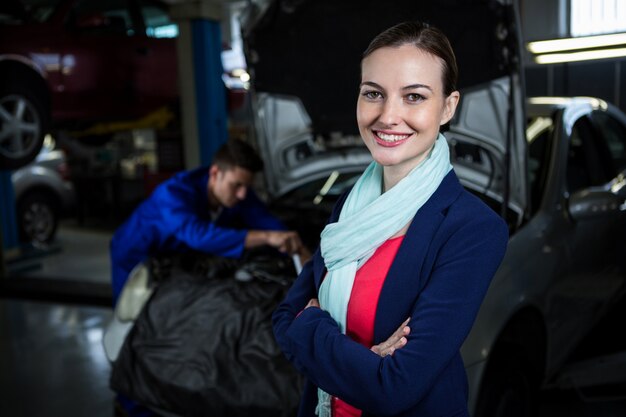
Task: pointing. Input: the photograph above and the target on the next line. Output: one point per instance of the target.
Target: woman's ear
(449, 107)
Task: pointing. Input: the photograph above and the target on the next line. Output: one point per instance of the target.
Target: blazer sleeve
(302, 290)
(441, 318)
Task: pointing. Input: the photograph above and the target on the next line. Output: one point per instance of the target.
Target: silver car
(43, 193)
(564, 267)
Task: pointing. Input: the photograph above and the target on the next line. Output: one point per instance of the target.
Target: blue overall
(176, 218)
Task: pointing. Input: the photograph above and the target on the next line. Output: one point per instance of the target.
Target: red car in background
(67, 63)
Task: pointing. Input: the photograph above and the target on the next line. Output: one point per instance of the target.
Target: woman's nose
(390, 112)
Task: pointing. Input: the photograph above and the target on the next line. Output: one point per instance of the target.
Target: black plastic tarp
(204, 347)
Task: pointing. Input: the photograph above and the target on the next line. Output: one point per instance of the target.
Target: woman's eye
(414, 97)
(372, 95)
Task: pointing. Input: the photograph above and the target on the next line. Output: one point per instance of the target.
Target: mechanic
(211, 210)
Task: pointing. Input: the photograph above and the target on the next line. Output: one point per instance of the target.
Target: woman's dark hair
(237, 153)
(424, 37)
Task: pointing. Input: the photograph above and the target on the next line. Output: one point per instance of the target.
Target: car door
(578, 295)
(611, 136)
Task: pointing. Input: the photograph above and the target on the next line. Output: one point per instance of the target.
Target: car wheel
(23, 125)
(508, 388)
(38, 217)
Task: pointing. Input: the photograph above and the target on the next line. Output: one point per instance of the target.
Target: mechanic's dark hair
(237, 153)
(425, 37)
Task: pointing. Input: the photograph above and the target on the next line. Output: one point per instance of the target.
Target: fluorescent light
(580, 56)
(583, 42)
(595, 103)
(559, 101)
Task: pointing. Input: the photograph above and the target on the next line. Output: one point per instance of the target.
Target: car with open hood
(562, 271)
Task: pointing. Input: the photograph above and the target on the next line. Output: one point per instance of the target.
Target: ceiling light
(580, 56)
(583, 42)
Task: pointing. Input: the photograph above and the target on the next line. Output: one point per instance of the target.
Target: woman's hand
(396, 341)
(312, 303)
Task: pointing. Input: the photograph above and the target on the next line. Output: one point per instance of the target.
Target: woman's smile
(401, 106)
(390, 139)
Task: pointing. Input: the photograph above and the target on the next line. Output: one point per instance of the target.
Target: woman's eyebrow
(371, 84)
(416, 86)
(408, 87)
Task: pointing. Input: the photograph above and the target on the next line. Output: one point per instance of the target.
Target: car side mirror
(590, 203)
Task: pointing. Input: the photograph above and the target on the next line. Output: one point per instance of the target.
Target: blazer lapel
(403, 279)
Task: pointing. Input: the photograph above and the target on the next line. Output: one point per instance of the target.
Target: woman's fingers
(396, 341)
(313, 302)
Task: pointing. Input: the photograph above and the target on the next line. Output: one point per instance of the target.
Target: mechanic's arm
(203, 235)
(441, 319)
(285, 241)
(268, 230)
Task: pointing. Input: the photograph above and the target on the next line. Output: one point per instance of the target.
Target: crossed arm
(389, 346)
(442, 314)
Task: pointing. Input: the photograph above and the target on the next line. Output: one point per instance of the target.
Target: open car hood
(304, 58)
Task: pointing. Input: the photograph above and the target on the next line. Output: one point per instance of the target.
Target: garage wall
(549, 19)
(603, 79)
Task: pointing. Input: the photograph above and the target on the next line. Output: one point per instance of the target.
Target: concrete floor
(51, 357)
(52, 318)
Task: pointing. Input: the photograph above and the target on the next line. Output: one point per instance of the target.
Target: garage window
(592, 17)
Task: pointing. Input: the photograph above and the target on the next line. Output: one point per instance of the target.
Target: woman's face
(401, 105)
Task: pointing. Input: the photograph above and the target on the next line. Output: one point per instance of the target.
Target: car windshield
(20, 11)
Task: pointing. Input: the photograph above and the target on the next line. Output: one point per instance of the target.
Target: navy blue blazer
(439, 277)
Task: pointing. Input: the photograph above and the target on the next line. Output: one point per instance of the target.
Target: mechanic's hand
(305, 254)
(287, 242)
(396, 341)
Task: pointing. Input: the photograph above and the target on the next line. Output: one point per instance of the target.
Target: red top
(368, 283)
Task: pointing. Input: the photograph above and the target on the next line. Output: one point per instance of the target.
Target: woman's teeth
(391, 138)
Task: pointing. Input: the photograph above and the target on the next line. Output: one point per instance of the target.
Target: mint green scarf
(368, 218)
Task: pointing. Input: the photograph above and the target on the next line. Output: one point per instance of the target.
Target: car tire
(38, 217)
(509, 388)
(24, 123)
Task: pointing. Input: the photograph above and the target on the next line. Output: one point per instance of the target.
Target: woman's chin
(386, 157)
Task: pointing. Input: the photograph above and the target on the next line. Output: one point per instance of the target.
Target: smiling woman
(376, 320)
(401, 107)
